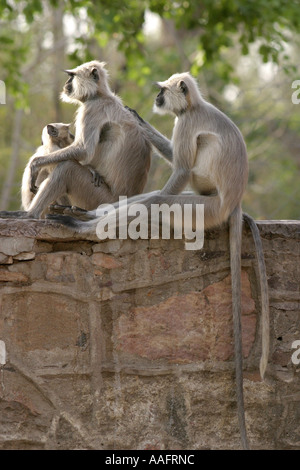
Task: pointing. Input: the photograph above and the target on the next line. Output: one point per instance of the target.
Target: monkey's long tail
(12, 214)
(265, 315)
(235, 237)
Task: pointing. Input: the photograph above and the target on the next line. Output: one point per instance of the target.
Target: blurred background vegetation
(244, 54)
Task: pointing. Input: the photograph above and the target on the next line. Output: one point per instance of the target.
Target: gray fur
(265, 317)
(207, 151)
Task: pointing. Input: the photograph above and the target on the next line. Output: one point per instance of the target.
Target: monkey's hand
(34, 171)
(135, 114)
(97, 179)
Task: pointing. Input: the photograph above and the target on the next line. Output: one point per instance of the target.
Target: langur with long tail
(207, 151)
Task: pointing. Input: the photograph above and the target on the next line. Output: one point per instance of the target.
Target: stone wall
(128, 344)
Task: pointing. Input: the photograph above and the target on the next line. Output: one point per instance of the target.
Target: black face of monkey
(59, 134)
(52, 131)
(160, 99)
(68, 88)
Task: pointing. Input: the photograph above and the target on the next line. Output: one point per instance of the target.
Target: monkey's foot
(73, 211)
(58, 209)
(97, 179)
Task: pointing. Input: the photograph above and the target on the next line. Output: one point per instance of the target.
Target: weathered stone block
(188, 328)
(128, 344)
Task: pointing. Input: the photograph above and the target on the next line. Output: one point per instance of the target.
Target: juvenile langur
(108, 139)
(207, 151)
(54, 137)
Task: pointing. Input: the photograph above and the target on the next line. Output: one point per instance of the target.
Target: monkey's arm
(160, 142)
(73, 152)
(184, 156)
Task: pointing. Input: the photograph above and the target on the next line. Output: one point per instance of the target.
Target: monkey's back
(123, 153)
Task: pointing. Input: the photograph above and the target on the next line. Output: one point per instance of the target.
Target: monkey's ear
(52, 130)
(95, 74)
(183, 87)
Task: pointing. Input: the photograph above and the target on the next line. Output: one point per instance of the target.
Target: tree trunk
(59, 41)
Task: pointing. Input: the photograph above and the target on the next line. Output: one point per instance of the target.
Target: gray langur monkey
(108, 139)
(54, 137)
(207, 151)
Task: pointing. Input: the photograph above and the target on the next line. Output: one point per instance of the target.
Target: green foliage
(215, 24)
(13, 52)
(211, 39)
